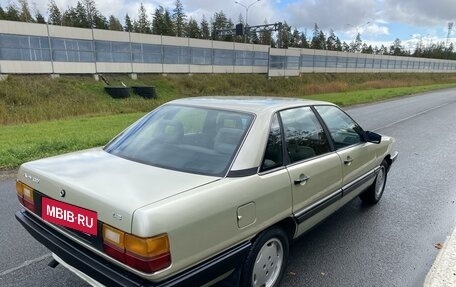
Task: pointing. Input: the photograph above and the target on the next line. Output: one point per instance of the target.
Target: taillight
(25, 195)
(144, 254)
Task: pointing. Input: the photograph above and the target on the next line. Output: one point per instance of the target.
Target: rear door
(314, 170)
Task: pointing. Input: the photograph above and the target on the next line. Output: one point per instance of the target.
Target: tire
(374, 193)
(266, 262)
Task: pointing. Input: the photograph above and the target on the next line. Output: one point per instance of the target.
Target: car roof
(251, 104)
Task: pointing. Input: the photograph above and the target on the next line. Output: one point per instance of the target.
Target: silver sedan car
(202, 190)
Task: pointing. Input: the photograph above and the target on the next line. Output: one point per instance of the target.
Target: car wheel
(374, 193)
(265, 264)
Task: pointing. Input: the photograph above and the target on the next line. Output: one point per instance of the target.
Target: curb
(443, 271)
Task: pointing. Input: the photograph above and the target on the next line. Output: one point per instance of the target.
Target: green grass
(41, 117)
(31, 99)
(369, 96)
(39, 98)
(21, 143)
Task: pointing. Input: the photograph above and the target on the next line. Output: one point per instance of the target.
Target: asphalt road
(390, 244)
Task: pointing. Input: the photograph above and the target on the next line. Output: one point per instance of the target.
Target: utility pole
(450, 28)
(246, 15)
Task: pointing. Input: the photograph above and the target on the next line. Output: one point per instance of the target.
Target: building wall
(28, 48)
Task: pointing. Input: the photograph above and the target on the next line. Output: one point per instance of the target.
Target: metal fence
(40, 48)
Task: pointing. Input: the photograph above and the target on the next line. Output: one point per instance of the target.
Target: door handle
(348, 161)
(302, 179)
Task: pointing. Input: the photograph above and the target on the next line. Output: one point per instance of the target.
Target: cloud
(330, 14)
(420, 12)
(301, 14)
(258, 13)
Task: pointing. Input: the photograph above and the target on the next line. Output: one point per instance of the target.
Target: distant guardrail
(29, 48)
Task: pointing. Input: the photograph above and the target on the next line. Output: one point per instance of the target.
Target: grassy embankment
(41, 117)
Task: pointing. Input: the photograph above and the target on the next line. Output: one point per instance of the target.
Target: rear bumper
(110, 274)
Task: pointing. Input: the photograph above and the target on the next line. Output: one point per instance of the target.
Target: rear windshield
(189, 139)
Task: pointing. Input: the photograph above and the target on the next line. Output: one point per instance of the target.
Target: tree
(397, 49)
(303, 43)
(266, 36)
(94, 17)
(82, 16)
(158, 21)
(192, 29)
(70, 17)
(162, 23)
(331, 42)
(168, 28)
(179, 19)
(295, 39)
(2, 13)
(383, 50)
(55, 16)
(220, 21)
(318, 39)
(284, 36)
(12, 14)
(205, 31)
(450, 52)
(100, 22)
(338, 45)
(142, 25)
(25, 15)
(114, 24)
(91, 12)
(230, 38)
(39, 18)
(345, 47)
(355, 47)
(128, 25)
(367, 49)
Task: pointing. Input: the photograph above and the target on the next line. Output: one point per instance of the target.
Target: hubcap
(380, 183)
(268, 264)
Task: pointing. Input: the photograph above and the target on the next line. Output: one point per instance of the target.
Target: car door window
(304, 136)
(273, 156)
(344, 131)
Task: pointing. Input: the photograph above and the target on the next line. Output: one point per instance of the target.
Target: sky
(377, 21)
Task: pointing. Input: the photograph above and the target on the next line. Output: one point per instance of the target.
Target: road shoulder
(443, 271)
(7, 174)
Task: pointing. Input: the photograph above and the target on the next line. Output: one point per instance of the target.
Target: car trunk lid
(111, 186)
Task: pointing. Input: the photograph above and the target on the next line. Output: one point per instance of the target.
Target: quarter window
(273, 156)
(344, 131)
(304, 136)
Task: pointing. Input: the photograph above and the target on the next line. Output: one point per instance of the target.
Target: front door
(358, 162)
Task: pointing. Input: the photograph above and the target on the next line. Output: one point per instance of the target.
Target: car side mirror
(372, 137)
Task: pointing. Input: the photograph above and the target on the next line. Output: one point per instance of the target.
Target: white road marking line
(410, 117)
(25, 264)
